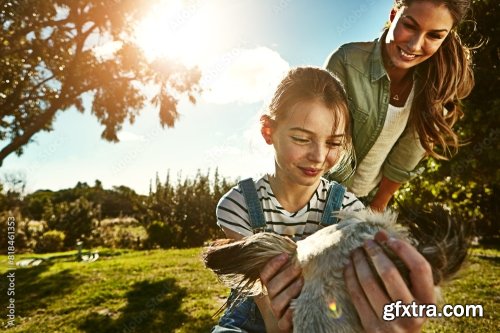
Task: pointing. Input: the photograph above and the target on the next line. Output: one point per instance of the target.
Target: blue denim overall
(245, 316)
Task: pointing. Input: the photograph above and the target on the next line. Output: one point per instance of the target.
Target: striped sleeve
(232, 213)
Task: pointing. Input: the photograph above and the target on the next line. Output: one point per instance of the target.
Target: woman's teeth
(407, 55)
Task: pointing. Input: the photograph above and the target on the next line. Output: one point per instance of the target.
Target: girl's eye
(299, 139)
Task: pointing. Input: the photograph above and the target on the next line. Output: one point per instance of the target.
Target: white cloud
(244, 154)
(243, 75)
(125, 136)
(215, 154)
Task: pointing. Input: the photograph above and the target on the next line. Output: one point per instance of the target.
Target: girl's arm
(276, 277)
(283, 283)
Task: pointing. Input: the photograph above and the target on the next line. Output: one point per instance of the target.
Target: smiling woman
(181, 30)
(409, 96)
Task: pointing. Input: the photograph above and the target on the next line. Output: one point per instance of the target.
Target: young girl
(404, 90)
(308, 126)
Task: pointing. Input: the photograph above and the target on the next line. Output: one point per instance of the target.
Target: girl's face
(307, 142)
(416, 33)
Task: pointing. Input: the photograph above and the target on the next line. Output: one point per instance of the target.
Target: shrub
(160, 234)
(118, 233)
(74, 219)
(51, 241)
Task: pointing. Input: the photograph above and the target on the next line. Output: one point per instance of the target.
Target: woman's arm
(385, 191)
(370, 298)
(402, 163)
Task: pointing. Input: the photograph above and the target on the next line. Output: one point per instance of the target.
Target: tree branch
(23, 139)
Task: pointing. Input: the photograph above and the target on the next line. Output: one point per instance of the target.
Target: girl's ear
(266, 124)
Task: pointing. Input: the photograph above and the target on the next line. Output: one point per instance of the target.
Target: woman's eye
(333, 144)
(435, 36)
(409, 26)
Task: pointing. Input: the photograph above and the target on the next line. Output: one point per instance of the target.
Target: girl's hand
(369, 297)
(283, 283)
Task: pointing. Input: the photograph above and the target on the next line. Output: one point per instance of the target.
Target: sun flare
(182, 30)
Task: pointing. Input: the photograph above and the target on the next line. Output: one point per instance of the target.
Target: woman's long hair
(442, 82)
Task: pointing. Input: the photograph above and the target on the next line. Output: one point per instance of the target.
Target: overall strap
(255, 212)
(334, 200)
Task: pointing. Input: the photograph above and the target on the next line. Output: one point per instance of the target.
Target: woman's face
(307, 142)
(416, 33)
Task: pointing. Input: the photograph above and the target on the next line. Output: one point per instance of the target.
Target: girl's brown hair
(443, 80)
(303, 84)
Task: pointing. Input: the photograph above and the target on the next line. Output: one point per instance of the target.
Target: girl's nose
(317, 153)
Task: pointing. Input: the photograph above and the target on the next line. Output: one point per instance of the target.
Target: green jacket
(359, 66)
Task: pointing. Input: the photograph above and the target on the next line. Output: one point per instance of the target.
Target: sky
(243, 48)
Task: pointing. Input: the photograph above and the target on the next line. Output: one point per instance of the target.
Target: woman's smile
(407, 55)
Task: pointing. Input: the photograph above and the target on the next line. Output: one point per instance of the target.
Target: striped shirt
(232, 211)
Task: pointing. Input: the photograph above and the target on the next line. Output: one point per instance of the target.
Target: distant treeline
(182, 213)
(171, 215)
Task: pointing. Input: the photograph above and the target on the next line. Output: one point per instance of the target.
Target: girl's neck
(292, 197)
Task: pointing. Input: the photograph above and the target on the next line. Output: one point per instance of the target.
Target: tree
(49, 62)
(184, 215)
(75, 219)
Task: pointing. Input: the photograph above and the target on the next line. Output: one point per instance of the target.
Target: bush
(74, 219)
(51, 241)
(118, 233)
(160, 234)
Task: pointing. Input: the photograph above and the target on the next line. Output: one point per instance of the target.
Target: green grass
(170, 291)
(148, 291)
(477, 283)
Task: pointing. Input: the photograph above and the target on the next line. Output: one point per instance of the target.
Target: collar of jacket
(377, 69)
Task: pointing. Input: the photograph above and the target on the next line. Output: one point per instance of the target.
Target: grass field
(170, 291)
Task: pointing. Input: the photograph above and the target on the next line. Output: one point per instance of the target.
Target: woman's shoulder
(352, 53)
(357, 47)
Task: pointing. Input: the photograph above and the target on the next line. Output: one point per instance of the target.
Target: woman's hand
(369, 297)
(283, 282)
